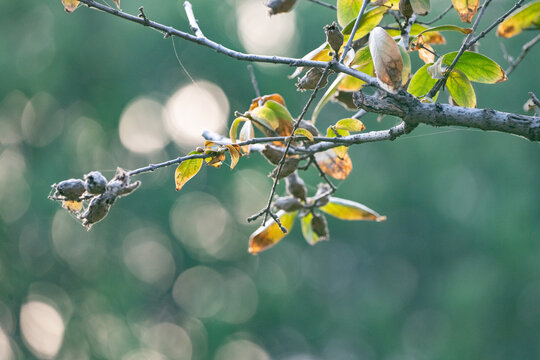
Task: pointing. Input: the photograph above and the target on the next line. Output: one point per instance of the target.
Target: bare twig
(354, 29)
(254, 81)
(193, 24)
(438, 17)
(178, 160)
(322, 174)
(170, 31)
(524, 50)
(318, 2)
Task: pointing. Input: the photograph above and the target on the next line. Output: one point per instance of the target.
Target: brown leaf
(466, 9)
(234, 151)
(72, 206)
(262, 99)
(426, 55)
(332, 165)
(70, 5)
(117, 3)
(289, 166)
(387, 59)
(270, 234)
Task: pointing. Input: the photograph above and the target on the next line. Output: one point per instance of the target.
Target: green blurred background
(453, 273)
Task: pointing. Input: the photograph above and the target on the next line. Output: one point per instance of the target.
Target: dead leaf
(466, 9)
(270, 234)
(426, 54)
(332, 165)
(387, 59)
(70, 5)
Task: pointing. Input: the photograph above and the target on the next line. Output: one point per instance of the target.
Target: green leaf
(466, 9)
(349, 210)
(311, 237)
(421, 82)
(186, 170)
(303, 132)
(234, 128)
(406, 70)
(420, 7)
(447, 28)
(265, 117)
(369, 21)
(341, 151)
(270, 234)
(460, 88)
(362, 57)
(347, 10)
(350, 124)
(281, 111)
(528, 16)
(477, 67)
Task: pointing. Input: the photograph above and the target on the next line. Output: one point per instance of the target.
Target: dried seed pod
(308, 125)
(290, 166)
(320, 226)
(96, 211)
(334, 37)
(71, 189)
(296, 186)
(128, 189)
(405, 8)
(280, 6)
(311, 78)
(323, 189)
(272, 154)
(96, 183)
(288, 203)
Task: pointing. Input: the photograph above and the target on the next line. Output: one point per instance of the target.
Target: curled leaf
(350, 124)
(350, 210)
(246, 133)
(70, 5)
(270, 234)
(466, 9)
(234, 151)
(332, 165)
(387, 59)
(308, 230)
(303, 132)
(234, 128)
(186, 170)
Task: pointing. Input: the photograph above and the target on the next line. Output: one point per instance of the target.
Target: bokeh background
(453, 273)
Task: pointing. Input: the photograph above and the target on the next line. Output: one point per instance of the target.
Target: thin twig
(178, 160)
(318, 2)
(535, 100)
(171, 31)
(354, 29)
(322, 174)
(438, 17)
(193, 24)
(524, 50)
(254, 81)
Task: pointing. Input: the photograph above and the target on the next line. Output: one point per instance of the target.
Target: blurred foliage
(453, 272)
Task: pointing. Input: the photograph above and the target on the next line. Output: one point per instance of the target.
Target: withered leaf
(332, 165)
(466, 9)
(70, 5)
(387, 59)
(270, 234)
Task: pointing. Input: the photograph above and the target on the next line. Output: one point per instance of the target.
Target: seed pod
(405, 8)
(96, 211)
(320, 226)
(308, 125)
(95, 183)
(322, 189)
(128, 189)
(290, 166)
(334, 37)
(288, 203)
(296, 186)
(280, 6)
(272, 154)
(71, 189)
(311, 78)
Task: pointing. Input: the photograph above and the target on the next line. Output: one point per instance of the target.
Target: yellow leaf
(387, 59)
(466, 9)
(349, 210)
(263, 99)
(528, 16)
(70, 5)
(332, 165)
(186, 170)
(216, 160)
(350, 124)
(72, 205)
(235, 155)
(304, 132)
(234, 128)
(270, 234)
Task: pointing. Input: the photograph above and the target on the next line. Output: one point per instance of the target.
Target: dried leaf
(216, 160)
(246, 133)
(117, 3)
(186, 170)
(350, 124)
(270, 234)
(288, 204)
(387, 59)
(307, 230)
(296, 186)
(304, 132)
(332, 165)
(426, 53)
(289, 166)
(461, 90)
(477, 67)
(263, 99)
(234, 128)
(234, 151)
(72, 205)
(70, 5)
(466, 9)
(350, 210)
(528, 16)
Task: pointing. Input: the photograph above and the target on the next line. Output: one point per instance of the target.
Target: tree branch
(318, 2)
(524, 50)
